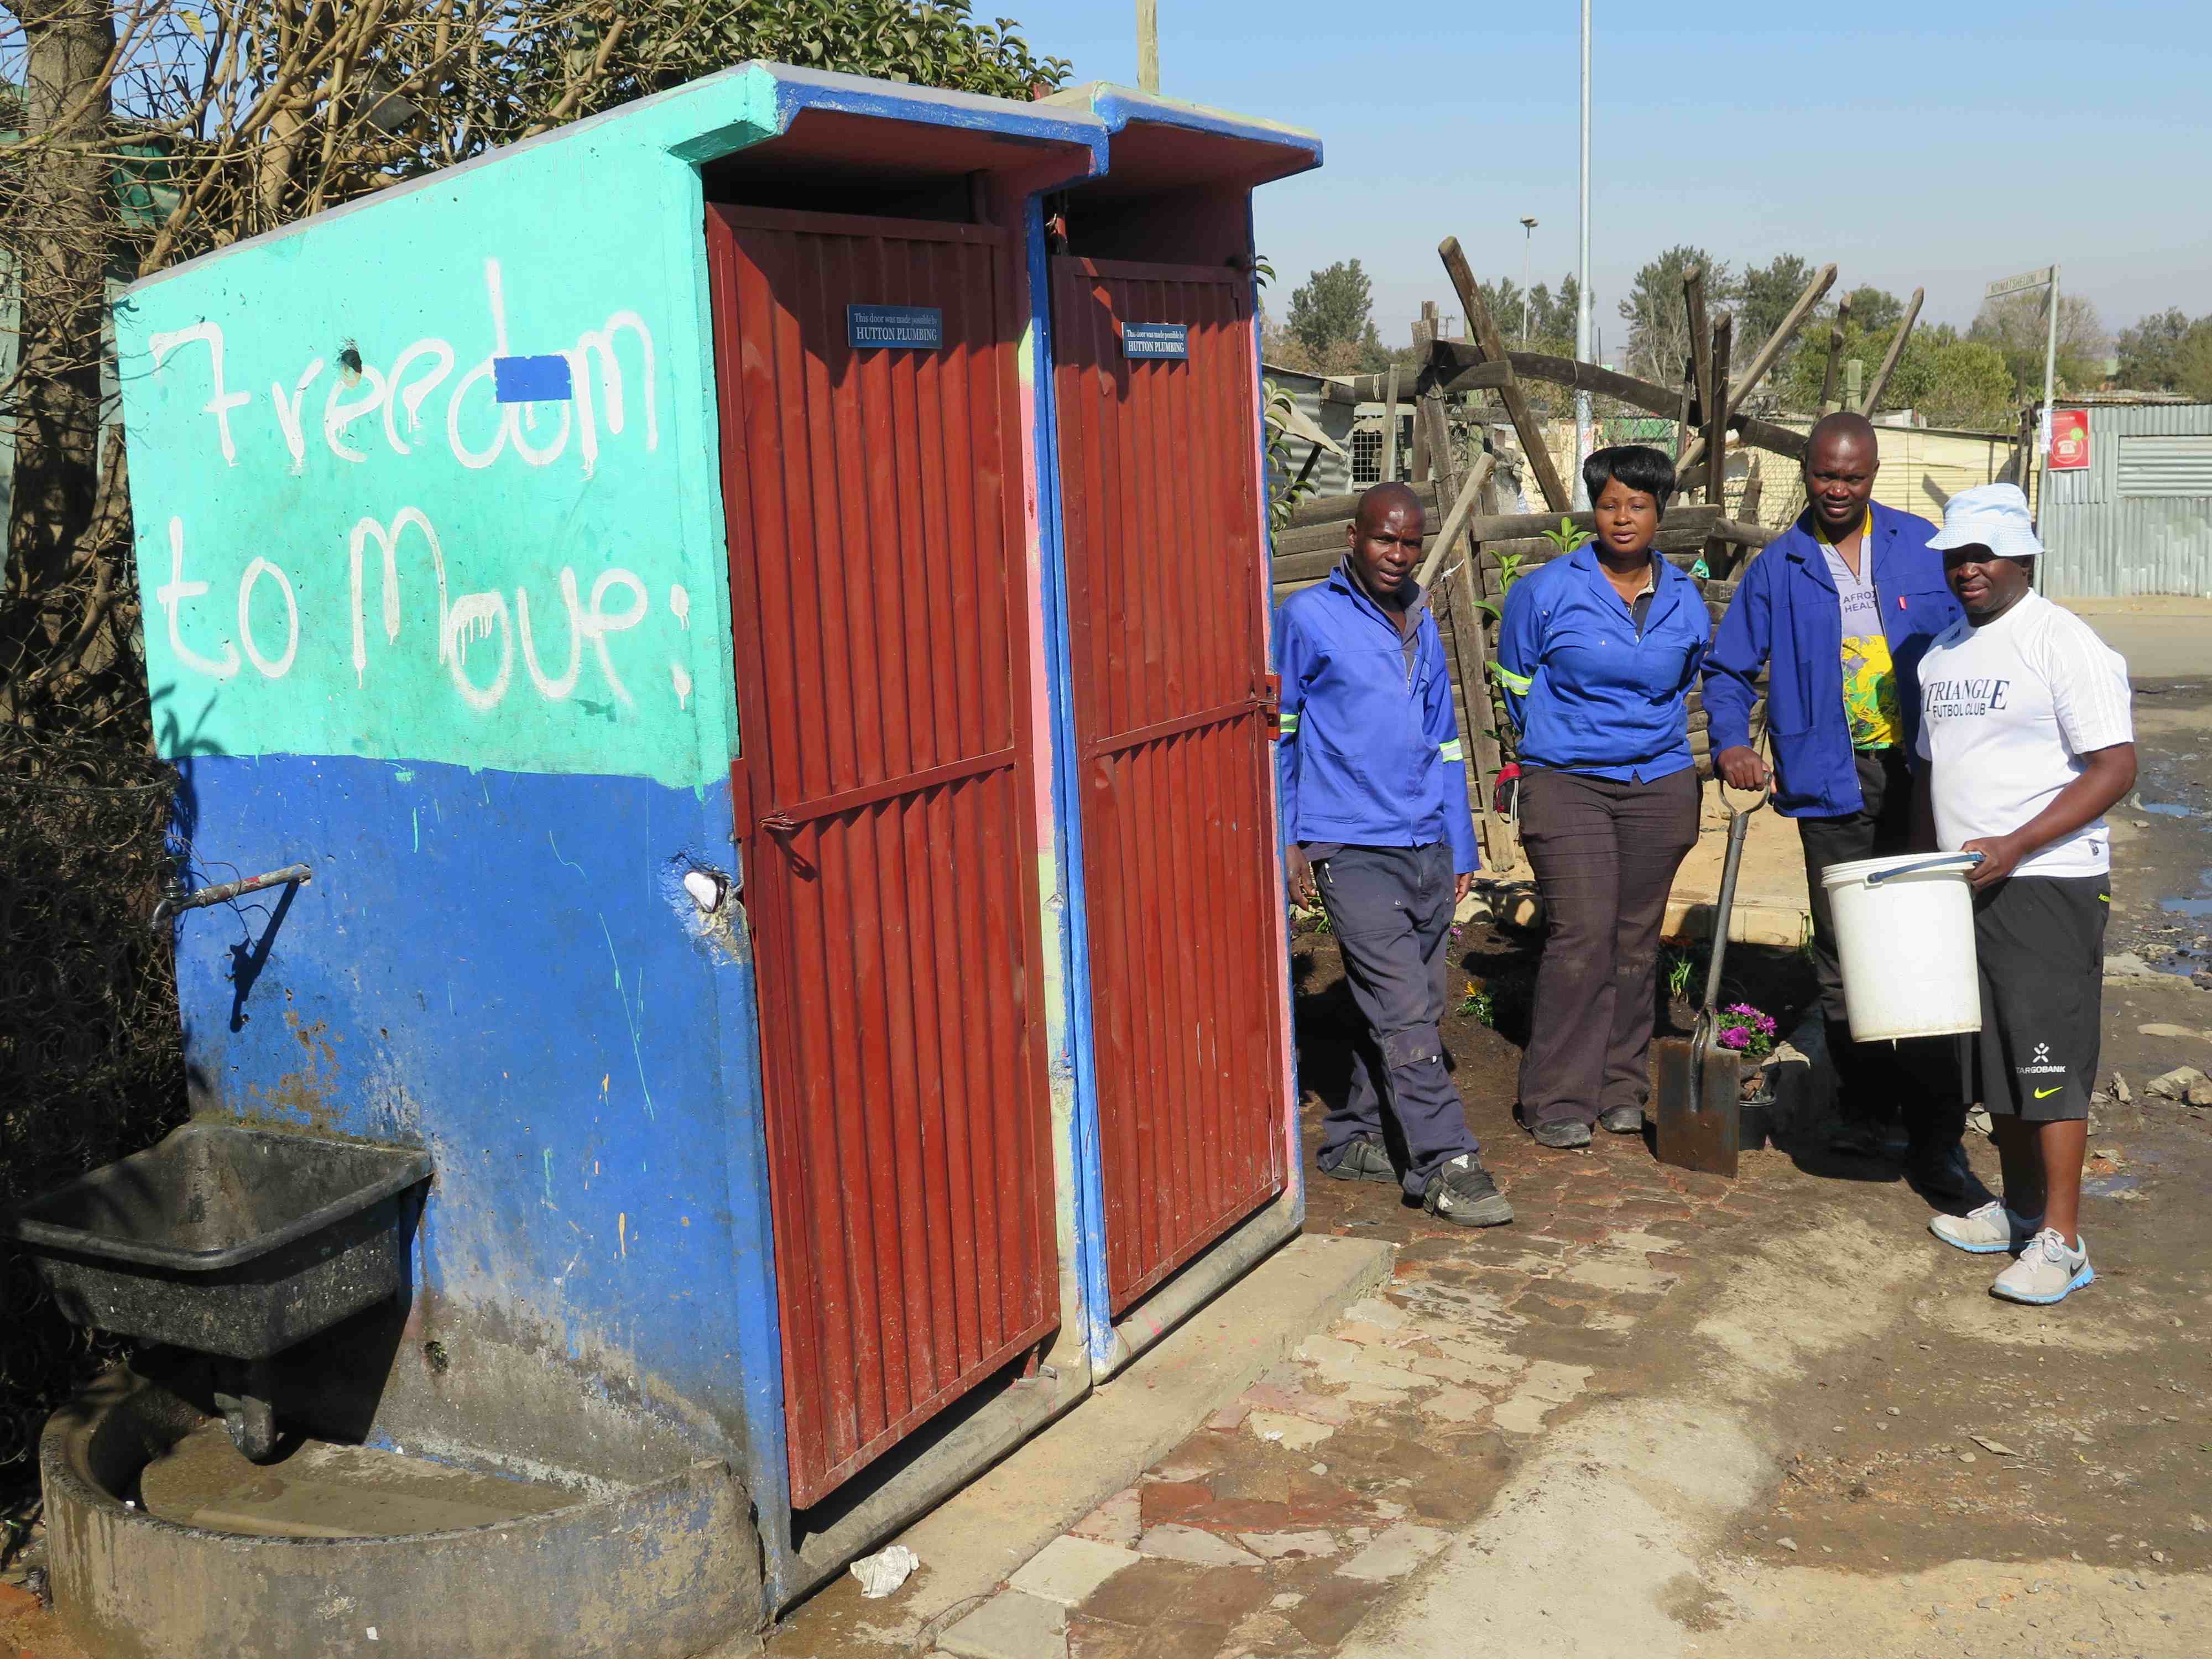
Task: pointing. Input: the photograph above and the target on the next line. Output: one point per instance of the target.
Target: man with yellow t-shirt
(1839, 610)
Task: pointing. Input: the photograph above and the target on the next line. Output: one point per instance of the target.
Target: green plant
(1681, 968)
(1567, 538)
(1478, 1004)
(1276, 412)
(1509, 571)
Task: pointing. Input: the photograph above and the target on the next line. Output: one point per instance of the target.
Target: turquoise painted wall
(349, 546)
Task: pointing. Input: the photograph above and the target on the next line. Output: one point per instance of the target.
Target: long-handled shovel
(1700, 1083)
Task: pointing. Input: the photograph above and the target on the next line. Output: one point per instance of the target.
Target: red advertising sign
(2069, 439)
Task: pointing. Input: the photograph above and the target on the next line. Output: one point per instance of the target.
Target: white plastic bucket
(1905, 929)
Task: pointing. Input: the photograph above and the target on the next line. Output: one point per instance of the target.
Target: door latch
(1267, 698)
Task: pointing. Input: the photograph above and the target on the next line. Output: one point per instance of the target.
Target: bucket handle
(1941, 862)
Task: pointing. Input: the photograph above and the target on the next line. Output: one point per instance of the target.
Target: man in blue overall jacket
(1839, 610)
(1374, 813)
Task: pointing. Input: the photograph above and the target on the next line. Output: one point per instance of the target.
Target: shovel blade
(1698, 1126)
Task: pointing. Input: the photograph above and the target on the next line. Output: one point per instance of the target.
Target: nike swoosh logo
(2045, 1094)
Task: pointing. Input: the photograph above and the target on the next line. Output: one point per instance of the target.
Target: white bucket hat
(1994, 516)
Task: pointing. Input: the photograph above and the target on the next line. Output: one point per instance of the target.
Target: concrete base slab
(969, 1544)
(1068, 1568)
(1011, 1625)
(1199, 1548)
(1751, 922)
(1396, 1552)
(1771, 906)
(324, 1490)
(658, 1572)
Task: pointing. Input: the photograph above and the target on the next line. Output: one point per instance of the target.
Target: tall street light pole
(1583, 315)
(1528, 234)
(1148, 46)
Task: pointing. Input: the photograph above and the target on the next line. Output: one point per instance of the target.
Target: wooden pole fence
(1493, 346)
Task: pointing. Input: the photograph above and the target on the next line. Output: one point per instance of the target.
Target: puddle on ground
(2112, 1186)
(2182, 907)
(2168, 808)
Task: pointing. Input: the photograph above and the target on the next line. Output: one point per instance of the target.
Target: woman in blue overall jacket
(1597, 654)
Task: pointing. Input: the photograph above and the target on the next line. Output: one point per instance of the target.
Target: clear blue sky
(1924, 142)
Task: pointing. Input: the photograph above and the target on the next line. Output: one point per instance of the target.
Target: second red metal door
(885, 803)
(1168, 620)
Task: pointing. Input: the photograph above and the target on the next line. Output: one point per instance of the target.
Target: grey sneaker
(1462, 1191)
(2047, 1271)
(1990, 1230)
(1623, 1120)
(1563, 1135)
(1362, 1160)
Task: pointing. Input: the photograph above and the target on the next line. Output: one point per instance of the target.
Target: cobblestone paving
(1296, 1509)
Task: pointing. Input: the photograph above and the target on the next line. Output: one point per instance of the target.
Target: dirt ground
(1666, 1415)
(2090, 1531)
(1486, 1019)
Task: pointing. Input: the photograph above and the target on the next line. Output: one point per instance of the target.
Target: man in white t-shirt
(2026, 726)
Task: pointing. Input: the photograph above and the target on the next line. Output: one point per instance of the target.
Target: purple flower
(1736, 1036)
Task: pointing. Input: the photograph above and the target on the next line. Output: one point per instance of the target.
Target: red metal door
(1167, 602)
(883, 804)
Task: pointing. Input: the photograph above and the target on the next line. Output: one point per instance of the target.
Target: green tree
(1545, 319)
(1658, 322)
(2150, 350)
(1334, 305)
(661, 43)
(2017, 325)
(1946, 380)
(1972, 387)
(1802, 372)
(1552, 316)
(1510, 309)
(2192, 362)
(1876, 309)
(1765, 294)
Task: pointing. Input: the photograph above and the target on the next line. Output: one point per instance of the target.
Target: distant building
(2137, 519)
(1331, 474)
(1922, 467)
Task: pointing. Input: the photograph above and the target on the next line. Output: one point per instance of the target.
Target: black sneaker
(1463, 1191)
(1864, 1140)
(1942, 1174)
(1623, 1120)
(1563, 1135)
(1362, 1160)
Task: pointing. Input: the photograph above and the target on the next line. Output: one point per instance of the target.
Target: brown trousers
(1605, 855)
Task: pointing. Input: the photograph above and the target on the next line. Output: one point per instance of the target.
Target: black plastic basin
(228, 1240)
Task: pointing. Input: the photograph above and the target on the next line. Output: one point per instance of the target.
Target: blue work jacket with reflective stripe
(1787, 617)
(1369, 754)
(1589, 692)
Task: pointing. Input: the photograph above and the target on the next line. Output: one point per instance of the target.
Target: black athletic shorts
(2041, 942)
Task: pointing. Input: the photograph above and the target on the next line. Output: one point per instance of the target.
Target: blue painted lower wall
(507, 970)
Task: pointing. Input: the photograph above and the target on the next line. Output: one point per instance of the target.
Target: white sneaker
(2046, 1272)
(1987, 1231)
